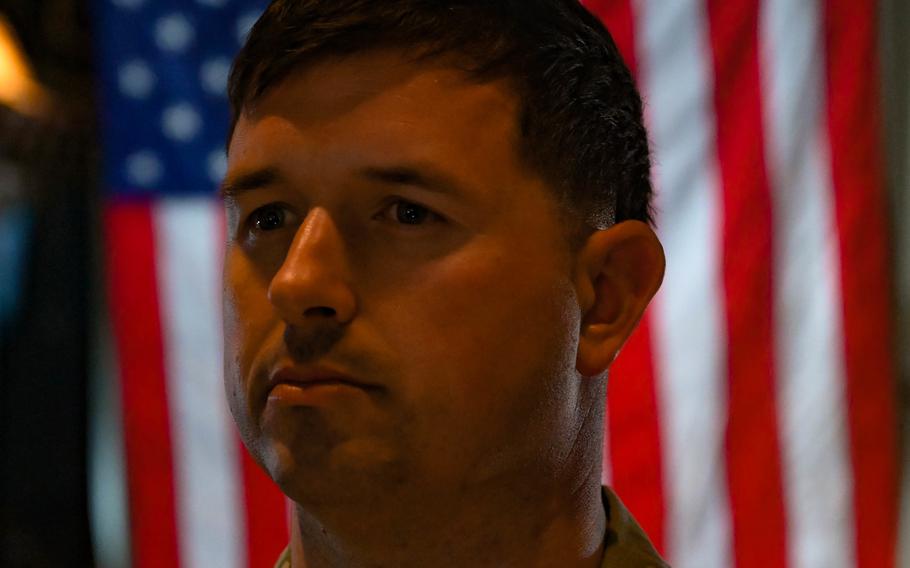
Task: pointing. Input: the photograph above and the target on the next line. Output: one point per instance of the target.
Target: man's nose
(313, 280)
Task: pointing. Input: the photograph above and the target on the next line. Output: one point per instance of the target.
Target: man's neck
(502, 529)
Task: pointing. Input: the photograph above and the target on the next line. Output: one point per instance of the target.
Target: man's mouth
(299, 385)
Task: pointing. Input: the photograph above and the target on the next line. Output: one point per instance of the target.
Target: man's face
(381, 224)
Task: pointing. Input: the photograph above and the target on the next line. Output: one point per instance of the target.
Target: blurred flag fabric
(751, 418)
(195, 497)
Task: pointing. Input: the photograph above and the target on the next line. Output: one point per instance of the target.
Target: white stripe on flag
(690, 338)
(208, 491)
(809, 337)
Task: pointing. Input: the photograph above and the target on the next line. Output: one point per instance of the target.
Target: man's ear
(618, 272)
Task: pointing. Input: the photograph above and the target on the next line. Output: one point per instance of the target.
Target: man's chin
(347, 473)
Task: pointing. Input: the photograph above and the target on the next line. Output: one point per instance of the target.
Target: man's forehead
(388, 80)
(425, 121)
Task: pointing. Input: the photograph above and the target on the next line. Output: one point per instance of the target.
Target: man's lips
(313, 386)
(313, 376)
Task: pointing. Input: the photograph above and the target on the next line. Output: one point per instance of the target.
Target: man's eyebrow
(234, 186)
(416, 176)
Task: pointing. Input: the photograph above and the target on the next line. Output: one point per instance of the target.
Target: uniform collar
(625, 544)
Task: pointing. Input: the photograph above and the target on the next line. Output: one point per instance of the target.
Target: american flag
(751, 419)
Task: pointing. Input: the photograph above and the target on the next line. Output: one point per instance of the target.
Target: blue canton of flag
(164, 66)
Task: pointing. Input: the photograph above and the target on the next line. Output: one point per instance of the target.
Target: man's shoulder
(625, 543)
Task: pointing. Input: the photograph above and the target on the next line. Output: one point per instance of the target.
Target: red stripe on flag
(634, 435)
(134, 312)
(266, 526)
(856, 161)
(752, 441)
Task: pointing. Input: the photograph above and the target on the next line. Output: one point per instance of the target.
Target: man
(438, 241)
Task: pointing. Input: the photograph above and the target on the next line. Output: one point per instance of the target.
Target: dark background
(44, 346)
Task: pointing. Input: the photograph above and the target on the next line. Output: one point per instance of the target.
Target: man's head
(448, 203)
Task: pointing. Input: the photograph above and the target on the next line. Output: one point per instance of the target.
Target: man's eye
(407, 213)
(268, 218)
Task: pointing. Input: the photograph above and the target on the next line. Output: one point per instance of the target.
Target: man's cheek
(248, 315)
(246, 322)
(237, 341)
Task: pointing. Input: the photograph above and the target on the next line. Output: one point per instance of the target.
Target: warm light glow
(18, 88)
